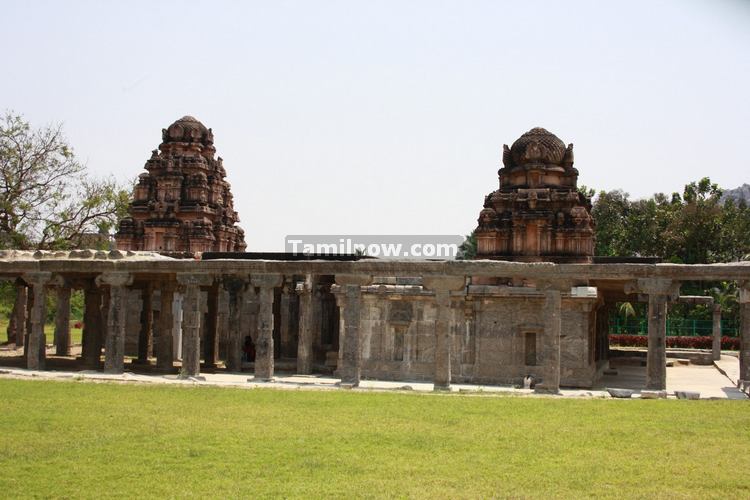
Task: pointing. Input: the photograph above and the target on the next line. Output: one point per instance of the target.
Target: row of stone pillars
(27, 321)
(251, 300)
(19, 326)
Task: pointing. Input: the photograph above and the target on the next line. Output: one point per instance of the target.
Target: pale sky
(346, 117)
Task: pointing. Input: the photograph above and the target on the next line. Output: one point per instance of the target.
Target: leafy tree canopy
(691, 228)
(47, 198)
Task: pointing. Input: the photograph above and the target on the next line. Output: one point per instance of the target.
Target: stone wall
(497, 339)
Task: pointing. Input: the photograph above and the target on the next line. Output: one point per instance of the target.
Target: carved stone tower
(537, 215)
(182, 203)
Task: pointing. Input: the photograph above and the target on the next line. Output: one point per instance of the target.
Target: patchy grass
(68, 439)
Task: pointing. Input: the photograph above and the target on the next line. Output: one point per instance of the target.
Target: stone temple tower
(537, 214)
(182, 203)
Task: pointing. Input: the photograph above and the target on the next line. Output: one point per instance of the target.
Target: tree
(47, 198)
(610, 211)
(695, 230)
(468, 249)
(691, 228)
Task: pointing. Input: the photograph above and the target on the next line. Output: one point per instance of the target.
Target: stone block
(687, 395)
(653, 394)
(620, 393)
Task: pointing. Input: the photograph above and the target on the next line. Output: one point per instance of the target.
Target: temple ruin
(533, 305)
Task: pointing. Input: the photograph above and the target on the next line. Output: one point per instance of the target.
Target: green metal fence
(675, 327)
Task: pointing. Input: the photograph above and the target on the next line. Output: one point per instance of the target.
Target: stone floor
(704, 379)
(708, 380)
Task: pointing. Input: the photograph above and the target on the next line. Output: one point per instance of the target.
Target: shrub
(727, 343)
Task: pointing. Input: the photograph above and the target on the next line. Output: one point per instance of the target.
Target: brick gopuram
(537, 214)
(183, 203)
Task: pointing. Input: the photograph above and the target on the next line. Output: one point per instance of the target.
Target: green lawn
(80, 439)
(49, 331)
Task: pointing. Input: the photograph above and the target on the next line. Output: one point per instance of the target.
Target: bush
(727, 343)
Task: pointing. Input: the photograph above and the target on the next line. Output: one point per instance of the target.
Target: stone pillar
(716, 343)
(443, 286)
(305, 340)
(62, 321)
(177, 325)
(659, 292)
(114, 340)
(191, 322)
(264, 342)
(552, 312)
(745, 331)
(350, 301)
(91, 349)
(146, 332)
(27, 325)
(35, 349)
(285, 334)
(17, 326)
(236, 288)
(104, 313)
(552, 329)
(211, 339)
(163, 342)
(656, 362)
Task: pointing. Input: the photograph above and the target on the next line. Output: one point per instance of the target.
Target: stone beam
(695, 300)
(13, 264)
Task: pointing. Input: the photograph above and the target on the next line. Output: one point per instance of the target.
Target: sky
(389, 117)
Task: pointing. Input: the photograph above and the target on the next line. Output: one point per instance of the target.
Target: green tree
(695, 230)
(468, 249)
(610, 211)
(735, 231)
(47, 198)
(692, 228)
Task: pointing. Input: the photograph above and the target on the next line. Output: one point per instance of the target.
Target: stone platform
(709, 381)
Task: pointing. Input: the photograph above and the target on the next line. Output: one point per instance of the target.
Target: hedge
(727, 343)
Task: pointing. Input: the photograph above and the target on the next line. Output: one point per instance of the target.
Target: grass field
(49, 331)
(81, 439)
